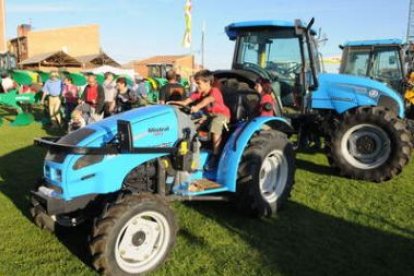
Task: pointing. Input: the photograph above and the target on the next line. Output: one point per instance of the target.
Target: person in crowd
(53, 89)
(80, 117)
(6, 82)
(77, 120)
(267, 102)
(172, 91)
(140, 89)
(70, 95)
(126, 97)
(210, 100)
(109, 87)
(193, 85)
(94, 96)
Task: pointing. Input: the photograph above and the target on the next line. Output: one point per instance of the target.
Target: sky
(138, 29)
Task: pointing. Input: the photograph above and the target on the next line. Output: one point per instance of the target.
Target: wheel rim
(366, 146)
(273, 176)
(142, 242)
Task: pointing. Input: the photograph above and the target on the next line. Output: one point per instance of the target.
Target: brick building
(3, 47)
(29, 44)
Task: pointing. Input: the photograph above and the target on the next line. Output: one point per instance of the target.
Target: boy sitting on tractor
(210, 100)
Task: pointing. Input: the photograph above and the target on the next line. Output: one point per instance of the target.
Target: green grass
(330, 226)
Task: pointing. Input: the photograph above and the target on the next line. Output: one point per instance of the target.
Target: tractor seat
(243, 104)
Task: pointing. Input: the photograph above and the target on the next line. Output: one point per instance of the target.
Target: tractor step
(202, 184)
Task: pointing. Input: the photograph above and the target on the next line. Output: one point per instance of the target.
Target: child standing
(210, 100)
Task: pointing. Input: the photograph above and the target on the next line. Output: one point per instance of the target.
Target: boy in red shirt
(210, 100)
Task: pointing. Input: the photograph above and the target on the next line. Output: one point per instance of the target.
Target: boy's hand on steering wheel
(194, 109)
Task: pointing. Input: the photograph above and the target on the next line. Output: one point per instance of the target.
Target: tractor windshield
(283, 57)
(356, 62)
(380, 63)
(271, 54)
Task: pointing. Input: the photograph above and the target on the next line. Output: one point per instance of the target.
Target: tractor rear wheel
(266, 174)
(369, 143)
(133, 236)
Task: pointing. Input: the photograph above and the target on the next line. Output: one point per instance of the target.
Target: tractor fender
(344, 92)
(237, 143)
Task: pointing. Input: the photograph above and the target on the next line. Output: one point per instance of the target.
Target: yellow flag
(187, 16)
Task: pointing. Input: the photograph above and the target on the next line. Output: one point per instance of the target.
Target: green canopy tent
(78, 79)
(100, 78)
(22, 77)
(43, 76)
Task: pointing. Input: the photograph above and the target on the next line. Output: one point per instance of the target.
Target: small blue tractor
(362, 120)
(121, 173)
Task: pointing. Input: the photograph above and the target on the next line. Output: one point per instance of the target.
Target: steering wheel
(256, 68)
(183, 108)
(291, 69)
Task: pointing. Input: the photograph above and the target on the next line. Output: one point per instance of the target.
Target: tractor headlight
(87, 160)
(47, 171)
(58, 175)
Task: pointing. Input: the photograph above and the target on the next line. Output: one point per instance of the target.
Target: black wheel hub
(366, 145)
(138, 238)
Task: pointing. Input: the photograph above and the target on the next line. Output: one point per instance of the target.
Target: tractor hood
(343, 92)
(159, 125)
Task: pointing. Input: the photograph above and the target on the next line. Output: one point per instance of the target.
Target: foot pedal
(202, 184)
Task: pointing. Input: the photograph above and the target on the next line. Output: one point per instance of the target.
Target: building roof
(161, 59)
(98, 59)
(57, 59)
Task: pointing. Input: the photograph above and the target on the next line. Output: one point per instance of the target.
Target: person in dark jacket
(94, 96)
(126, 97)
(172, 91)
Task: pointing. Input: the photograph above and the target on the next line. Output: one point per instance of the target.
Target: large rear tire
(369, 143)
(266, 174)
(133, 236)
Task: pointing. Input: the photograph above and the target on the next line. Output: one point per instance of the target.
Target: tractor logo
(373, 93)
(156, 131)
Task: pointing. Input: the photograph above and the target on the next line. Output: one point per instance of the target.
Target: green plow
(13, 100)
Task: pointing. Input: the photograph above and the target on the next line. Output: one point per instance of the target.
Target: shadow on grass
(20, 170)
(301, 241)
(315, 168)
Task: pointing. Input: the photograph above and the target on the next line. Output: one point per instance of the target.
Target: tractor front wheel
(370, 143)
(133, 236)
(266, 174)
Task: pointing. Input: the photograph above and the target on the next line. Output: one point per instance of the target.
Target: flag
(187, 16)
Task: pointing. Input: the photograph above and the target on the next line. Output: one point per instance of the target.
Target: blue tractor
(123, 171)
(386, 60)
(362, 120)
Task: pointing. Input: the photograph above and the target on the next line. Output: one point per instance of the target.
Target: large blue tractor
(361, 119)
(385, 60)
(121, 173)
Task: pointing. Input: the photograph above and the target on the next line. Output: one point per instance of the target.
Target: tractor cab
(158, 70)
(282, 52)
(385, 60)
